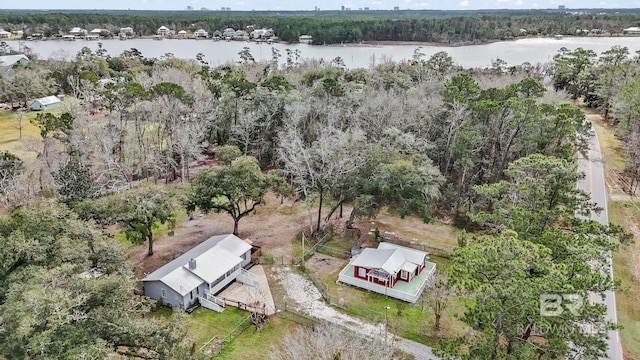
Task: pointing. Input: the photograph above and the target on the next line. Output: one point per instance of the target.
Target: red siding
(355, 272)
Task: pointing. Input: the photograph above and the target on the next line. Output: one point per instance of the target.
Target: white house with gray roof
(200, 273)
(46, 103)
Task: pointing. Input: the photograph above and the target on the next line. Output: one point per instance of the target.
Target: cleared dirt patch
(273, 227)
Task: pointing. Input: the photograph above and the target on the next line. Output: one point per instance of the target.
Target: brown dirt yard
(275, 227)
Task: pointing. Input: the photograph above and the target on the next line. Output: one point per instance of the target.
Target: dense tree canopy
(331, 27)
(66, 292)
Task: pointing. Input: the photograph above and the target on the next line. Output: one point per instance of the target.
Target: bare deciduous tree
(438, 297)
(329, 342)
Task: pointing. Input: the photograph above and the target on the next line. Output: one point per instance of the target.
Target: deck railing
(247, 278)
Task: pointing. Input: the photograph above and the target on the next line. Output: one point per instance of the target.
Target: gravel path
(308, 300)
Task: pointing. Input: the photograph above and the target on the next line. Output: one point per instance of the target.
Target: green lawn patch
(10, 135)
(158, 229)
(255, 344)
(625, 263)
(414, 322)
(204, 324)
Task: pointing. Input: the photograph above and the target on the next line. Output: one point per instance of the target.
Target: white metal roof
(409, 267)
(389, 260)
(412, 255)
(213, 264)
(182, 280)
(10, 60)
(234, 245)
(214, 257)
(48, 100)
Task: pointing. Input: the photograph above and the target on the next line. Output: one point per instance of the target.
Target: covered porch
(407, 291)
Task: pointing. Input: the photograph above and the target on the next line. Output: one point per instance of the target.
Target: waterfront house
(200, 273)
(127, 31)
(201, 33)
(11, 60)
(393, 270)
(182, 34)
(4, 34)
(78, 32)
(240, 35)
(46, 103)
(305, 39)
(228, 33)
(163, 31)
(216, 35)
(634, 30)
(100, 32)
(261, 34)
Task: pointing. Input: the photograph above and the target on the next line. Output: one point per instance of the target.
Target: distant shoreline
(369, 43)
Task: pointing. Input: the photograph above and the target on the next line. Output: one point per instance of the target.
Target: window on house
(163, 293)
(198, 290)
(218, 281)
(362, 272)
(191, 294)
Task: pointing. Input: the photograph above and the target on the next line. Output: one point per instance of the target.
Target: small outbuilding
(11, 60)
(393, 270)
(46, 103)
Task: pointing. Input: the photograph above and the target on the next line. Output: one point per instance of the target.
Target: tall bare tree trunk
(320, 210)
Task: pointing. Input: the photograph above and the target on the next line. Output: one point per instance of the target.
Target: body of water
(532, 50)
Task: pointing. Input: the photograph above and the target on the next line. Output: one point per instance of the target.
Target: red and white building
(391, 269)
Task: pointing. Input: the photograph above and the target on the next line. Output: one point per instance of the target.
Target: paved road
(594, 184)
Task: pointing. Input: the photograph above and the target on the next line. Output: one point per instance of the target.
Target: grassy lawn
(625, 260)
(414, 322)
(249, 344)
(626, 270)
(611, 148)
(158, 229)
(10, 135)
(255, 344)
(436, 234)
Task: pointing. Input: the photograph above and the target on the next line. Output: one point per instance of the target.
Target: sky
(322, 5)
